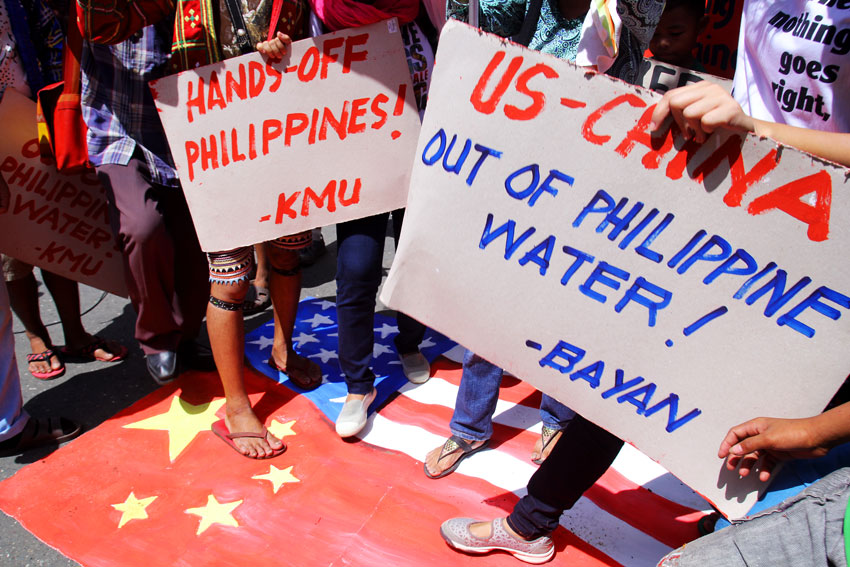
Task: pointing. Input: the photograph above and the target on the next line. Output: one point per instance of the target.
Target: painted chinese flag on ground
(154, 486)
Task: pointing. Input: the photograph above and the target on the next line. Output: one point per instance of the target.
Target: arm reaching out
(776, 440)
(701, 108)
(275, 48)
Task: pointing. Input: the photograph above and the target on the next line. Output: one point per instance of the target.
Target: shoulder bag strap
(240, 30)
(529, 25)
(472, 15)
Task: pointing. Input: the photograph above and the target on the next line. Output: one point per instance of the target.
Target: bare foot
(436, 466)
(544, 444)
(255, 447)
(105, 353)
(261, 281)
(303, 372)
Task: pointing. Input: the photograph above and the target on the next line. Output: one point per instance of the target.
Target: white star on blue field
(315, 337)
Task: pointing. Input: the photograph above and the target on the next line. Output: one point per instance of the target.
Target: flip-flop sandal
(548, 436)
(452, 445)
(257, 300)
(297, 375)
(45, 356)
(220, 429)
(87, 353)
(41, 432)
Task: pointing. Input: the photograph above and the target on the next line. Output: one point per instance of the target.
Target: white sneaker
(352, 418)
(415, 367)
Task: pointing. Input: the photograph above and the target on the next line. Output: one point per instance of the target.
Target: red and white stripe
(633, 515)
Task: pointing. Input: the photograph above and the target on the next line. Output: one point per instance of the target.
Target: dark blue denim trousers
(478, 394)
(359, 270)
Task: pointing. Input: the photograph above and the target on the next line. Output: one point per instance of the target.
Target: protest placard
(56, 221)
(665, 290)
(267, 149)
(661, 77)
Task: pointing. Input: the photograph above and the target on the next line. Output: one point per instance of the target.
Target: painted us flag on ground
(154, 486)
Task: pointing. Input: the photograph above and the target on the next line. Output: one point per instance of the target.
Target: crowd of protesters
(173, 285)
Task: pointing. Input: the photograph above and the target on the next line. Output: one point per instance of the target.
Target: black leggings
(582, 455)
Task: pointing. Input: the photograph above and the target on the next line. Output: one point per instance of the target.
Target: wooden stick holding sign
(665, 290)
(56, 221)
(268, 149)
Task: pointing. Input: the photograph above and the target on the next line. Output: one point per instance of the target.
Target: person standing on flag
(244, 26)
(360, 247)
(610, 36)
(164, 267)
(812, 527)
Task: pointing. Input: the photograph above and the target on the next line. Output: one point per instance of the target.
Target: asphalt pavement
(92, 392)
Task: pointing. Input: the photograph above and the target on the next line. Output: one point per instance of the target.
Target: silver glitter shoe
(456, 533)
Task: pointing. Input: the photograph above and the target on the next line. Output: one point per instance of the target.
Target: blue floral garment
(560, 36)
(555, 34)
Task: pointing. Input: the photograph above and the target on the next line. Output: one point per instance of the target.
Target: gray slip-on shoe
(456, 533)
(415, 367)
(352, 418)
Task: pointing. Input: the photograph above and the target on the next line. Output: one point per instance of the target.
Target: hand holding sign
(276, 47)
(772, 440)
(704, 108)
(644, 276)
(325, 134)
(700, 109)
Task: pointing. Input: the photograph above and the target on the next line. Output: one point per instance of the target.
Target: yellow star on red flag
(133, 509)
(278, 477)
(215, 513)
(183, 421)
(281, 430)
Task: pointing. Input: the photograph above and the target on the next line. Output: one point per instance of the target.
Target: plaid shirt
(45, 26)
(117, 104)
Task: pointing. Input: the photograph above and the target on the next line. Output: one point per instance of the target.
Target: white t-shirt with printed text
(793, 65)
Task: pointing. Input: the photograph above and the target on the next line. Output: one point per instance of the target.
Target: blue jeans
(477, 396)
(359, 268)
(12, 416)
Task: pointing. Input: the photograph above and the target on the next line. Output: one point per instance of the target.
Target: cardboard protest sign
(268, 149)
(57, 221)
(661, 77)
(663, 289)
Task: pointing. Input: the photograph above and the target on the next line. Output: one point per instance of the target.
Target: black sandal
(41, 432)
(452, 445)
